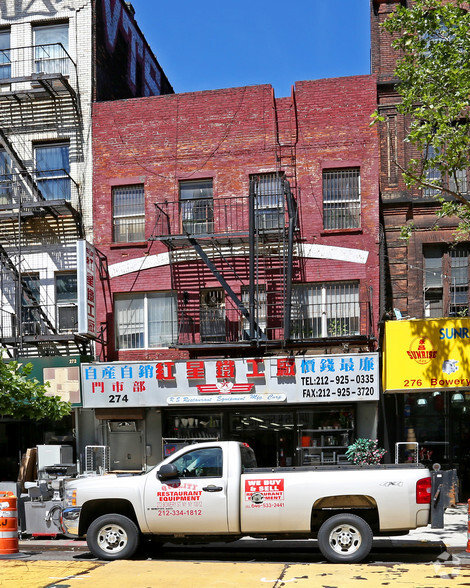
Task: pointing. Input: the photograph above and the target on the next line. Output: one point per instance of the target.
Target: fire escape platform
(37, 86)
(223, 239)
(57, 209)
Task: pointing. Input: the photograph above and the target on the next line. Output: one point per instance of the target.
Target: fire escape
(246, 243)
(37, 93)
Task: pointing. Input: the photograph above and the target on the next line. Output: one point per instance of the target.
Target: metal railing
(218, 216)
(34, 61)
(52, 184)
(330, 319)
(31, 322)
(308, 322)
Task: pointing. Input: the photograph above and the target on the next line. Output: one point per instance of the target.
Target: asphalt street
(422, 559)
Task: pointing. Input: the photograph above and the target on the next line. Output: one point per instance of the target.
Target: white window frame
(261, 310)
(325, 309)
(128, 218)
(197, 206)
(269, 201)
(68, 304)
(51, 57)
(341, 198)
(134, 321)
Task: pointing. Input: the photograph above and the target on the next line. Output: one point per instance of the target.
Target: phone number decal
(180, 513)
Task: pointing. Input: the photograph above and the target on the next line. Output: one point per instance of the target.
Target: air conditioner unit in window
(67, 318)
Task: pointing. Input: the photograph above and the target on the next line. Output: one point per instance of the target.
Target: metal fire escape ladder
(287, 136)
(29, 103)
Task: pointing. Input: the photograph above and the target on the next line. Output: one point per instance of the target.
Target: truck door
(196, 501)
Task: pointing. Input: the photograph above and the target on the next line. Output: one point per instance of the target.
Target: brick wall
(228, 135)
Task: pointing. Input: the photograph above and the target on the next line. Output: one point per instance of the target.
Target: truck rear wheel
(345, 538)
(113, 536)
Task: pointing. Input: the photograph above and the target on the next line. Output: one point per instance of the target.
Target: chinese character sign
(86, 290)
(302, 379)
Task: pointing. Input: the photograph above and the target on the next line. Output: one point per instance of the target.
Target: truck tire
(345, 538)
(112, 536)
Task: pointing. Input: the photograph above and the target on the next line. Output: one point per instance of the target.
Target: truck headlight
(70, 497)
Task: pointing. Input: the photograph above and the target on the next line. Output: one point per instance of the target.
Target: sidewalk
(453, 536)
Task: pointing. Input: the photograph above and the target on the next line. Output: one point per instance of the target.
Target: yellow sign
(426, 354)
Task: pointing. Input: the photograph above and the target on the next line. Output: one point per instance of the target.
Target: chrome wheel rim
(112, 538)
(345, 539)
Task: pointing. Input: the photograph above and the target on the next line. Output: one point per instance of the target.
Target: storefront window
(279, 438)
(270, 434)
(425, 423)
(324, 435)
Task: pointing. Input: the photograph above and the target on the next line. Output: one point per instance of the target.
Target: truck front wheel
(345, 538)
(112, 537)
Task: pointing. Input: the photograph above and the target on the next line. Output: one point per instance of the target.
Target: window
(200, 463)
(268, 201)
(128, 214)
(445, 280)
(456, 183)
(260, 311)
(433, 303)
(53, 170)
(459, 281)
(212, 315)
(145, 320)
(51, 45)
(6, 195)
(330, 309)
(66, 299)
(5, 58)
(197, 207)
(30, 299)
(341, 199)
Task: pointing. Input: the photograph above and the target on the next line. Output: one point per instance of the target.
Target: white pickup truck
(214, 492)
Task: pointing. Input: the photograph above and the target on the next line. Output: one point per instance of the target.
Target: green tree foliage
(22, 396)
(433, 37)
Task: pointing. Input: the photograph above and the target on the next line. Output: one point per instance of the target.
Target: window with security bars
(268, 201)
(459, 281)
(341, 199)
(329, 309)
(197, 207)
(128, 214)
(146, 320)
(446, 278)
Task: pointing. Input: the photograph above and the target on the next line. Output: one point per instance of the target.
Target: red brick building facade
(228, 143)
(240, 231)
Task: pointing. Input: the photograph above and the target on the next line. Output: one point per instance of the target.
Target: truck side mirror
(167, 471)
